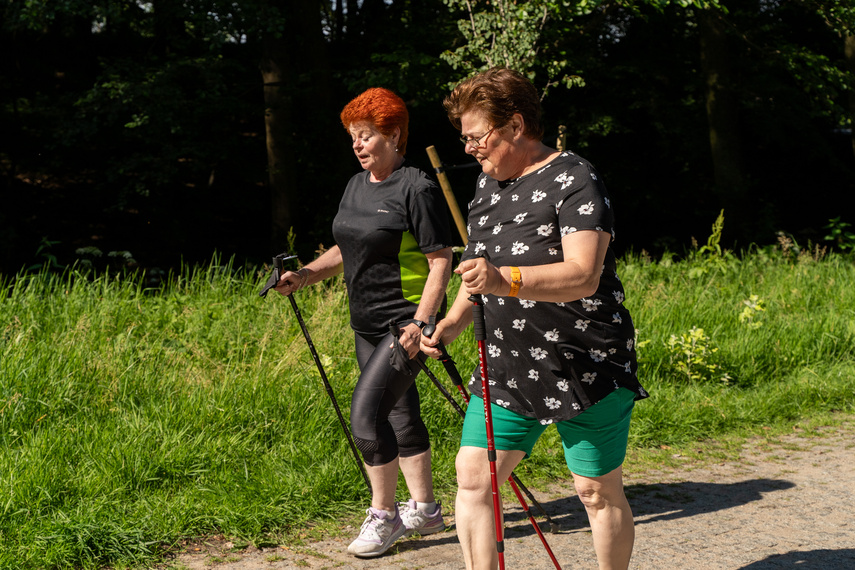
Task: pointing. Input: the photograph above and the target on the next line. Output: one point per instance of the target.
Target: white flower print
(519, 324)
(512, 383)
(494, 350)
(515, 197)
(494, 198)
(561, 304)
(479, 247)
(544, 168)
(537, 353)
(582, 324)
(498, 248)
(514, 353)
(551, 336)
(497, 228)
(526, 304)
(563, 385)
(519, 248)
(498, 334)
(616, 318)
(586, 209)
(593, 174)
(503, 403)
(545, 422)
(564, 179)
(558, 206)
(482, 182)
(589, 377)
(567, 230)
(520, 217)
(599, 228)
(590, 304)
(643, 392)
(468, 229)
(619, 297)
(627, 367)
(576, 406)
(545, 229)
(552, 403)
(612, 350)
(534, 375)
(500, 300)
(597, 355)
(630, 343)
(568, 355)
(483, 220)
(538, 195)
(605, 199)
(553, 251)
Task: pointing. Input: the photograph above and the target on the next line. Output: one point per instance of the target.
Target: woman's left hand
(481, 277)
(410, 338)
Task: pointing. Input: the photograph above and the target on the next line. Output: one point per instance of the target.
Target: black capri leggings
(384, 414)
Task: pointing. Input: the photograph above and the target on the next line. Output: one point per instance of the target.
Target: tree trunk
(294, 70)
(722, 117)
(849, 50)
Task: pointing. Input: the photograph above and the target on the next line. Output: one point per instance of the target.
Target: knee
(597, 496)
(472, 476)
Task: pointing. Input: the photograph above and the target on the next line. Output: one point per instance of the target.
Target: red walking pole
(481, 336)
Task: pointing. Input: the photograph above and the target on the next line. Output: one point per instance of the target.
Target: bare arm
(325, 266)
(577, 276)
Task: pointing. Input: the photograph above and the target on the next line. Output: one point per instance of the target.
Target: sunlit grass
(131, 417)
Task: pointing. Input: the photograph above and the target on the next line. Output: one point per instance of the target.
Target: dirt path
(786, 505)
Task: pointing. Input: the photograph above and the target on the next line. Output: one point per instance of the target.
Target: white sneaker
(420, 522)
(378, 534)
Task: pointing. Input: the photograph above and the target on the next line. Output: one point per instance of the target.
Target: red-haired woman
(394, 246)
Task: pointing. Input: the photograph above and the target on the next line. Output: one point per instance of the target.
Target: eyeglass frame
(475, 141)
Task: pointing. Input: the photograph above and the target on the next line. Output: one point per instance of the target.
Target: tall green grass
(132, 417)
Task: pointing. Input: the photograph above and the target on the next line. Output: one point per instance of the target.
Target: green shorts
(594, 441)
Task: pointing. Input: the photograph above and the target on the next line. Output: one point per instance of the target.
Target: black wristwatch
(420, 324)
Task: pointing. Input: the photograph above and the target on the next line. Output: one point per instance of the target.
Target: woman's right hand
(289, 282)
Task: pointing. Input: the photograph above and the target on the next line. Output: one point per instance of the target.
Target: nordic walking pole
(481, 337)
(278, 269)
(451, 369)
(329, 389)
(516, 484)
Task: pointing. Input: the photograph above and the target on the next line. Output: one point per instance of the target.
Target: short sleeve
(585, 203)
(429, 219)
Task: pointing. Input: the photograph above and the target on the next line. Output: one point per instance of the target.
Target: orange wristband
(516, 281)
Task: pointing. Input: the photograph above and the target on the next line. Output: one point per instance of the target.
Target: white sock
(428, 508)
(390, 514)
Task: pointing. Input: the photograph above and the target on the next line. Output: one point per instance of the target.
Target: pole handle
(478, 324)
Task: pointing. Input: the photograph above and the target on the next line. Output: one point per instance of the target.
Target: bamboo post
(561, 143)
(449, 195)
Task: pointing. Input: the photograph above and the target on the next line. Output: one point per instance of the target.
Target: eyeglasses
(475, 142)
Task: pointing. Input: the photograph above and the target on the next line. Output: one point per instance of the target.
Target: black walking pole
(277, 271)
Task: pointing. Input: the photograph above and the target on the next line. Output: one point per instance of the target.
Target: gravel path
(789, 504)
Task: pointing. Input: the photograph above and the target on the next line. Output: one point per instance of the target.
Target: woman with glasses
(394, 247)
(560, 342)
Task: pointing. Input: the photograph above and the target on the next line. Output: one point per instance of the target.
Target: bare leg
(610, 517)
(384, 481)
(476, 525)
(417, 474)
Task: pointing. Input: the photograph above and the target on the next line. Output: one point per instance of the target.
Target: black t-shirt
(550, 361)
(384, 230)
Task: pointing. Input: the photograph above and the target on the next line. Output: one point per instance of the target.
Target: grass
(132, 417)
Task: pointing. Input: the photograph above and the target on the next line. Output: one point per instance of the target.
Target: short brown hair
(498, 93)
(383, 109)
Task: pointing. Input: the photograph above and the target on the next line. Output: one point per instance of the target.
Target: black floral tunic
(550, 361)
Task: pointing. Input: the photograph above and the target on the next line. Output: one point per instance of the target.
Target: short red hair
(381, 108)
